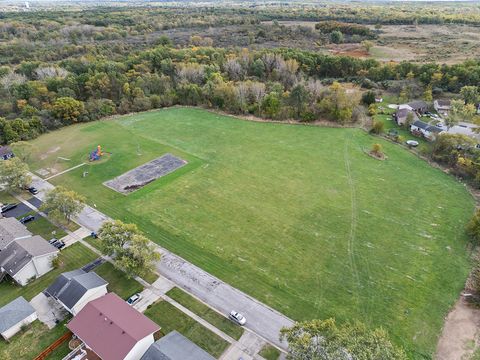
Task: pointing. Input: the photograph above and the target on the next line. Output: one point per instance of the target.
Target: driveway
(20, 210)
(48, 310)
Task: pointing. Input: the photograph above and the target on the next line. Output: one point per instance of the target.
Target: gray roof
(14, 312)
(443, 102)
(11, 229)
(20, 252)
(175, 346)
(70, 287)
(418, 104)
(420, 124)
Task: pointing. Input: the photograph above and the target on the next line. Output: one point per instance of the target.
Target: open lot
(297, 216)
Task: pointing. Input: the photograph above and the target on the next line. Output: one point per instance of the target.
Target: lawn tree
(63, 204)
(324, 340)
(131, 251)
(14, 175)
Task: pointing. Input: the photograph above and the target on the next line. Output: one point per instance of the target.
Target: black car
(59, 244)
(27, 218)
(32, 190)
(8, 207)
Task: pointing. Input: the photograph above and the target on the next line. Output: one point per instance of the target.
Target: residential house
(419, 106)
(112, 329)
(10, 230)
(6, 153)
(429, 132)
(14, 315)
(175, 346)
(402, 114)
(74, 289)
(442, 106)
(26, 259)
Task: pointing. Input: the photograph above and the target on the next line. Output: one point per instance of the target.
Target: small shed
(6, 153)
(14, 315)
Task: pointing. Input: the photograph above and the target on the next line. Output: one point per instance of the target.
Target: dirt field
(448, 44)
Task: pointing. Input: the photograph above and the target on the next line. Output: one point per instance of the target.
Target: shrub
(377, 127)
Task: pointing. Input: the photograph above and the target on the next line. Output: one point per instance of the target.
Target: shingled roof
(14, 312)
(111, 327)
(70, 287)
(10, 230)
(20, 252)
(175, 346)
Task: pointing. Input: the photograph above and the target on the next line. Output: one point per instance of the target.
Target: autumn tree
(325, 340)
(62, 204)
(470, 94)
(14, 174)
(131, 251)
(67, 109)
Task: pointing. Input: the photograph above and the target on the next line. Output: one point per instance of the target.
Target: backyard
(299, 217)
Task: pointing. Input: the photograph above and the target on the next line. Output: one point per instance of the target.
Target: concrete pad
(148, 298)
(250, 343)
(163, 285)
(48, 310)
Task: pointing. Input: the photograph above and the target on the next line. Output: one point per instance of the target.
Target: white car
(133, 299)
(237, 317)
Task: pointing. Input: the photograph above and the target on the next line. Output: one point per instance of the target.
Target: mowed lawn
(297, 216)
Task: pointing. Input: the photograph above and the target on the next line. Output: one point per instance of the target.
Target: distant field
(297, 216)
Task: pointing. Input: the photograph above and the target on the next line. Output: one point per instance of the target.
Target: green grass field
(297, 216)
(118, 281)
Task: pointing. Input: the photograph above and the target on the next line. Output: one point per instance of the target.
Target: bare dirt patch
(459, 332)
(145, 174)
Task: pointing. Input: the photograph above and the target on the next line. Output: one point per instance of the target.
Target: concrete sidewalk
(261, 319)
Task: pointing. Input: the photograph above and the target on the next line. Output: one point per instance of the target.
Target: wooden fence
(43, 355)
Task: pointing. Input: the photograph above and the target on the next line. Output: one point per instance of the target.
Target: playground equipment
(96, 154)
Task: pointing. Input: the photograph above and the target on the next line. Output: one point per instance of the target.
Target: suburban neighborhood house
(10, 230)
(14, 316)
(112, 329)
(442, 106)
(26, 259)
(74, 289)
(175, 346)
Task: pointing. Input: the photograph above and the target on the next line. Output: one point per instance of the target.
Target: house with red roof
(112, 329)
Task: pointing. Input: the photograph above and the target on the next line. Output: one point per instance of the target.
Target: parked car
(32, 190)
(59, 244)
(51, 241)
(237, 317)
(8, 207)
(133, 299)
(27, 219)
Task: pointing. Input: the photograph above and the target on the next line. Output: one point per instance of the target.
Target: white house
(14, 315)
(27, 259)
(74, 289)
(112, 329)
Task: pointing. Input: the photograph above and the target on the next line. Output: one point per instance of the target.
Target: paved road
(261, 319)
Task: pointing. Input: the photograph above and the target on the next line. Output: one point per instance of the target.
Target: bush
(473, 227)
(377, 127)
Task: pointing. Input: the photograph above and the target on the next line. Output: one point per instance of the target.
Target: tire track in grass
(354, 219)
